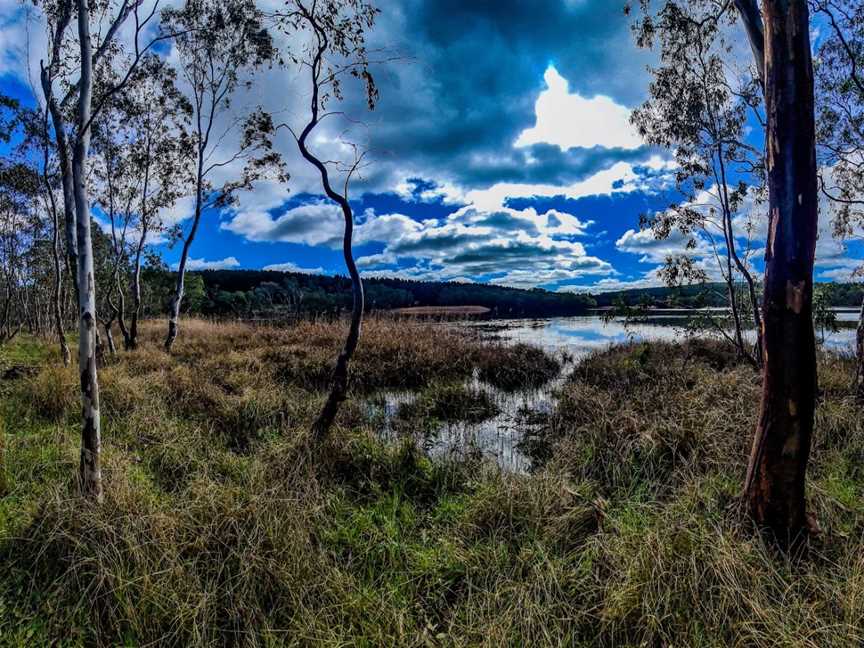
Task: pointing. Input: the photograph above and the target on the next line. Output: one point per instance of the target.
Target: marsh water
(569, 339)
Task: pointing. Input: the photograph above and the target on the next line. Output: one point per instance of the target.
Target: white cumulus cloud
(571, 120)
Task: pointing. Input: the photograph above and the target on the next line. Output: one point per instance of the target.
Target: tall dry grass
(220, 529)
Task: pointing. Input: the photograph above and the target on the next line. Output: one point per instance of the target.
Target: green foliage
(194, 293)
(824, 319)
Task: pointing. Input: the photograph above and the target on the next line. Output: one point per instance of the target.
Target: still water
(579, 336)
(569, 339)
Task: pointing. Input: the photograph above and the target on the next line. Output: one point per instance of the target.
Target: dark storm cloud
(474, 69)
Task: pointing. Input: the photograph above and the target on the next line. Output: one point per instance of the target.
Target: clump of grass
(516, 367)
(365, 467)
(547, 508)
(221, 561)
(393, 354)
(643, 417)
(447, 403)
(52, 393)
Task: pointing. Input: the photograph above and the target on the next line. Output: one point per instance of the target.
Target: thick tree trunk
(774, 488)
(90, 472)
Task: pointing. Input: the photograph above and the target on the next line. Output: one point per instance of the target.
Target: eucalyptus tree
(20, 186)
(840, 126)
(34, 143)
(775, 484)
(65, 57)
(336, 31)
(117, 189)
(218, 44)
(49, 175)
(698, 107)
(163, 156)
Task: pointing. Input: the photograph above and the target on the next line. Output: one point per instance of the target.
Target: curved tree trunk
(748, 10)
(121, 314)
(733, 301)
(90, 472)
(732, 251)
(66, 177)
(109, 336)
(775, 483)
(339, 378)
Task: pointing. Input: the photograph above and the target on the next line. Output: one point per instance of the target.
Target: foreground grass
(219, 529)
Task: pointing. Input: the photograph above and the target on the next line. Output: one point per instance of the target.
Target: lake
(569, 339)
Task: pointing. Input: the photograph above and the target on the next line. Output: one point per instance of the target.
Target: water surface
(569, 339)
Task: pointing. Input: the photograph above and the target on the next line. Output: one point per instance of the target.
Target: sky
(500, 151)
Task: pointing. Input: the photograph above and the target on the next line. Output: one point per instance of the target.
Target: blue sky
(500, 152)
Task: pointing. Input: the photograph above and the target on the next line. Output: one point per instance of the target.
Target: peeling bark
(775, 483)
(748, 10)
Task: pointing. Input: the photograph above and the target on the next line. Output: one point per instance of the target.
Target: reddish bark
(774, 489)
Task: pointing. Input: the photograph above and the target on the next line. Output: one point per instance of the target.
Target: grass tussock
(516, 367)
(447, 403)
(220, 529)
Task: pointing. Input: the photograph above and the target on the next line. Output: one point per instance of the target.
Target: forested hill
(265, 293)
(239, 291)
(835, 294)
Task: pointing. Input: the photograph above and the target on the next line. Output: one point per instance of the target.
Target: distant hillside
(263, 293)
(838, 294)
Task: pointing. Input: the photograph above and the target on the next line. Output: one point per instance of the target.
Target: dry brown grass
(220, 529)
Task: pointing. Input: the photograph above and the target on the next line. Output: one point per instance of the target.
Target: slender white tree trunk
(136, 293)
(90, 473)
(177, 299)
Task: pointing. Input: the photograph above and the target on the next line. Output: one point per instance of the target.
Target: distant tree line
(713, 295)
(272, 294)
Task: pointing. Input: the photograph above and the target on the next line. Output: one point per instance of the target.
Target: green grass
(220, 529)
